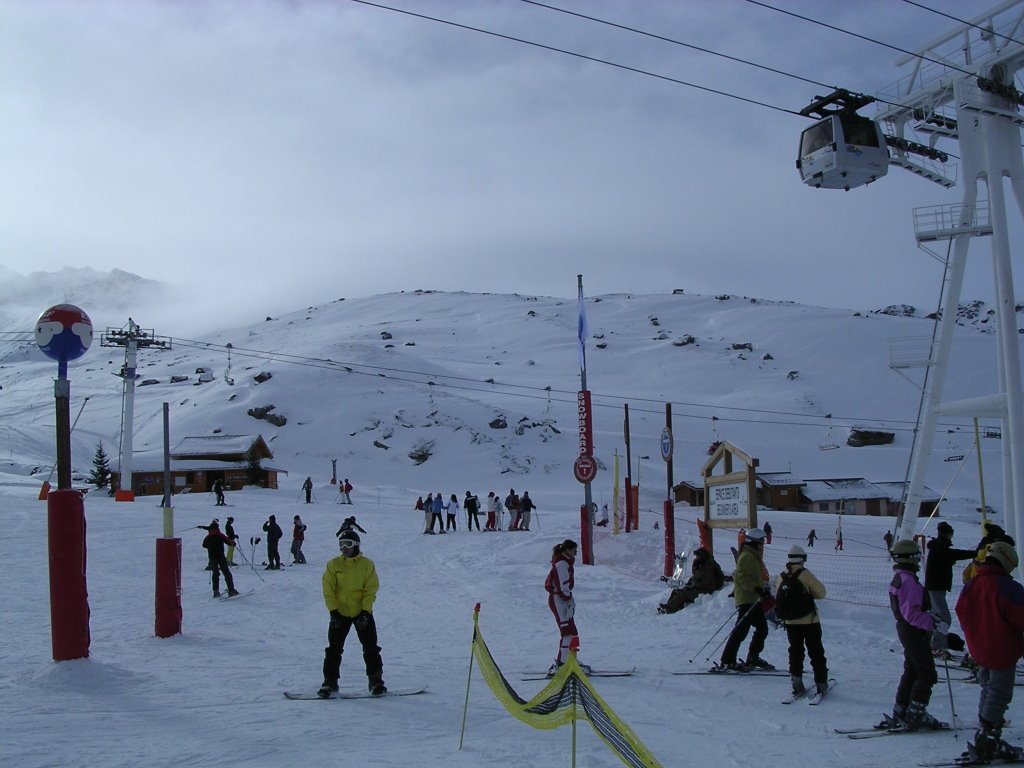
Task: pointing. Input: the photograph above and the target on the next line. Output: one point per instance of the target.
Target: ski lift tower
(131, 339)
(961, 88)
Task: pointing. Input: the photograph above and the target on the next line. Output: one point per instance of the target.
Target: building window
(823, 506)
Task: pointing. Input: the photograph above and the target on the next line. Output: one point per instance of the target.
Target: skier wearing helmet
(914, 627)
(350, 588)
(749, 589)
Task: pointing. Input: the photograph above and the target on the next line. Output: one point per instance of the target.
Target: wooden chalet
(196, 462)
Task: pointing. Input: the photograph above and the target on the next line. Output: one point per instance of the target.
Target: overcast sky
(325, 148)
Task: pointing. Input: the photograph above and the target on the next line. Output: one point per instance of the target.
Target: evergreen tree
(100, 468)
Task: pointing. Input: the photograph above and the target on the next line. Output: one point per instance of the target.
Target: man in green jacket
(350, 588)
(749, 589)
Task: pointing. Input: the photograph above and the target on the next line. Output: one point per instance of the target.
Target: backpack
(793, 601)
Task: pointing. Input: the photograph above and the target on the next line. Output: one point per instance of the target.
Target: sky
(369, 151)
(212, 696)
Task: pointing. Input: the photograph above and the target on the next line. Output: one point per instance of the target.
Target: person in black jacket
(938, 570)
(705, 578)
(349, 524)
(274, 534)
(472, 506)
(214, 546)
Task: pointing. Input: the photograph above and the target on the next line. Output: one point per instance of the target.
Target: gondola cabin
(842, 151)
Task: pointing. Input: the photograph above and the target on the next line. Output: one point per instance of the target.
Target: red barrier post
(586, 545)
(669, 524)
(69, 598)
(168, 587)
(629, 506)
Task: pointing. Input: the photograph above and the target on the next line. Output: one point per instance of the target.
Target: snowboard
(354, 694)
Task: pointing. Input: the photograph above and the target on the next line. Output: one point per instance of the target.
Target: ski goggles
(346, 544)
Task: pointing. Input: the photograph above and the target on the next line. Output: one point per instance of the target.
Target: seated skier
(705, 578)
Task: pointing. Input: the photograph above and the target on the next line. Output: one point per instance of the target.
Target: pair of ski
(888, 727)
(225, 597)
(813, 696)
(736, 672)
(528, 676)
(968, 759)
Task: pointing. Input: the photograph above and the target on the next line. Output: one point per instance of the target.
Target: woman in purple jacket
(914, 627)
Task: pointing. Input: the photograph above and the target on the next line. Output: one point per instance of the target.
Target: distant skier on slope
(559, 585)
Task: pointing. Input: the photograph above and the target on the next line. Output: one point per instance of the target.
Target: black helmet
(348, 538)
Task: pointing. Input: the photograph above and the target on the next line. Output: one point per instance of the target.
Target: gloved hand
(763, 592)
(954, 641)
(941, 627)
(939, 641)
(362, 621)
(336, 620)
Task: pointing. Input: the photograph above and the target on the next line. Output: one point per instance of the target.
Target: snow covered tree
(100, 468)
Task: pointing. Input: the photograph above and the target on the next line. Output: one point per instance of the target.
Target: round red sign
(585, 469)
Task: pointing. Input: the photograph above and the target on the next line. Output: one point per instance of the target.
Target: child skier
(914, 627)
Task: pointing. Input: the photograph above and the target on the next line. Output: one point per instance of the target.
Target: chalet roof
(222, 447)
(895, 490)
(842, 488)
(779, 478)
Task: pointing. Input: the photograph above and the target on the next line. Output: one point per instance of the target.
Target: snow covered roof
(222, 447)
(843, 488)
(779, 478)
(895, 491)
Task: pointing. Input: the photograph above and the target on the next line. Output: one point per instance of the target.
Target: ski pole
(750, 610)
(952, 705)
(727, 620)
(249, 563)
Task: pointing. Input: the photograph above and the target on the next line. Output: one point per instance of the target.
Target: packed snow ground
(213, 695)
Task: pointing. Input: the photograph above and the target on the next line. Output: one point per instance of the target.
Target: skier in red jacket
(991, 612)
(559, 584)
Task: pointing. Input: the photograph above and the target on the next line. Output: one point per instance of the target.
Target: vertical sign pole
(587, 534)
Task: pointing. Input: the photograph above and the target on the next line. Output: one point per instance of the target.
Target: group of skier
(990, 610)
(445, 513)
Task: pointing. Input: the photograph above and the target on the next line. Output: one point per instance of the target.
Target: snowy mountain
(370, 381)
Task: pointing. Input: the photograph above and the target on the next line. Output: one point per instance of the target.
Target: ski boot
(553, 669)
(989, 745)
(821, 688)
(232, 592)
(216, 593)
(758, 663)
(376, 686)
(327, 689)
(917, 718)
(799, 689)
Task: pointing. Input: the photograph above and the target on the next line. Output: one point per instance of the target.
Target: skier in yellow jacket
(350, 588)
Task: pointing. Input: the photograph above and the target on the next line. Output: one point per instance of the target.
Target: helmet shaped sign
(64, 332)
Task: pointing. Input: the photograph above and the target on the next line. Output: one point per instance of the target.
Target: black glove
(763, 592)
(336, 620)
(362, 621)
(955, 642)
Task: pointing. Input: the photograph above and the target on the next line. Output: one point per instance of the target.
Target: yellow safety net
(567, 697)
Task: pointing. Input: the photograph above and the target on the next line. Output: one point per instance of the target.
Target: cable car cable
(863, 37)
(583, 56)
(986, 30)
(678, 42)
